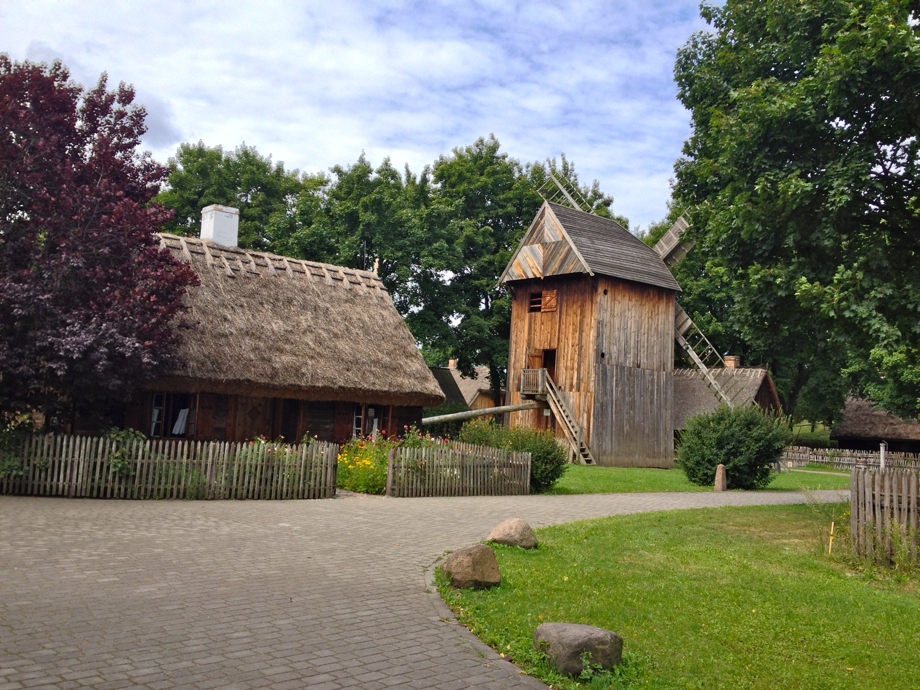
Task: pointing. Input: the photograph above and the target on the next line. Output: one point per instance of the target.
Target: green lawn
(718, 598)
(802, 433)
(580, 479)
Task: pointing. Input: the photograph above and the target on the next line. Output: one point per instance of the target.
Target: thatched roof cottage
(863, 427)
(283, 348)
(692, 396)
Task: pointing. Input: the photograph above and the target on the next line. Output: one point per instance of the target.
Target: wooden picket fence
(93, 467)
(884, 513)
(842, 459)
(458, 469)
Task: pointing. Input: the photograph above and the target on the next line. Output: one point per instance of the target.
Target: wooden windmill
(594, 321)
(592, 335)
(672, 249)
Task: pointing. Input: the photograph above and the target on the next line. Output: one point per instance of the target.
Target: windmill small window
(543, 301)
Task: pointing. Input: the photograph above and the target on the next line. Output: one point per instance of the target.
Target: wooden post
(391, 456)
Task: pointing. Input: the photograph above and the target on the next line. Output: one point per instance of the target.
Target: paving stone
(249, 594)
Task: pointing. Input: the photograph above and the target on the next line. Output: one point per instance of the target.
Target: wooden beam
(457, 416)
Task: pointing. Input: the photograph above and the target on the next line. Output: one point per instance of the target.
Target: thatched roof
(692, 396)
(471, 387)
(861, 421)
(276, 327)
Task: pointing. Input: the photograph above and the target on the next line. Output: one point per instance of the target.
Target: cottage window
(357, 428)
(543, 301)
(172, 415)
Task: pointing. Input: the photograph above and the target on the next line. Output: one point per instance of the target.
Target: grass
(802, 433)
(717, 598)
(580, 479)
(818, 467)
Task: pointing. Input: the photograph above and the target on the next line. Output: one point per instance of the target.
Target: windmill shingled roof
(610, 249)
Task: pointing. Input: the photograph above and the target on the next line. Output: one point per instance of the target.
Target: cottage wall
(218, 417)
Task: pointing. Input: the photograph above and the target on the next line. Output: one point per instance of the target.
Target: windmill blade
(705, 358)
(671, 248)
(559, 190)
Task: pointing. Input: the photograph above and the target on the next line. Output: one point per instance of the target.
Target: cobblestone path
(287, 594)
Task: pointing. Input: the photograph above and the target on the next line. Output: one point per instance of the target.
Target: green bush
(744, 439)
(547, 457)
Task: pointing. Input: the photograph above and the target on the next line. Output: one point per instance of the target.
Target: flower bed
(363, 460)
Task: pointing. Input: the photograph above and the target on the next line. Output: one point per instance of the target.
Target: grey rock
(514, 532)
(472, 567)
(721, 483)
(570, 645)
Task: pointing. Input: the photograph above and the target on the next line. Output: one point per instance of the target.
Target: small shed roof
(861, 421)
(692, 396)
(447, 379)
(565, 240)
(272, 326)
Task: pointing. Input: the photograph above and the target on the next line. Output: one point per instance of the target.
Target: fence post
(391, 456)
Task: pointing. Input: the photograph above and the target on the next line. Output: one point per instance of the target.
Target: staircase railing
(572, 428)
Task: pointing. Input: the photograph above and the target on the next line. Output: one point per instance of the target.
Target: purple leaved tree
(90, 306)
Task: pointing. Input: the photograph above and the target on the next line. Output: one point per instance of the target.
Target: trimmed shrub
(547, 457)
(744, 439)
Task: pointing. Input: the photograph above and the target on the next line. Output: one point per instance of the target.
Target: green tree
(264, 192)
(802, 175)
(490, 201)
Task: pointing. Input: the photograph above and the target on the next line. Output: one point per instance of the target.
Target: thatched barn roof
(276, 327)
(692, 396)
(861, 421)
(471, 387)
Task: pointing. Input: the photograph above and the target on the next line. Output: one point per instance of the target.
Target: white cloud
(316, 83)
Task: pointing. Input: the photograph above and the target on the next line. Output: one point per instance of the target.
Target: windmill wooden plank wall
(609, 337)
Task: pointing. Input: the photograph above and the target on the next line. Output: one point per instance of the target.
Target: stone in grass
(514, 532)
(721, 483)
(472, 567)
(570, 645)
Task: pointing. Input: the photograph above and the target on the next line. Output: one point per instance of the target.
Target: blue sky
(316, 83)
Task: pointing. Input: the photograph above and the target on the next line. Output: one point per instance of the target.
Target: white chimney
(220, 224)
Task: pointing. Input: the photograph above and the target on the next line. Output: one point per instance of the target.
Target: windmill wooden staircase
(537, 383)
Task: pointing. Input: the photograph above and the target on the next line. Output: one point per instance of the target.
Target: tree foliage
(802, 173)
(88, 300)
(263, 191)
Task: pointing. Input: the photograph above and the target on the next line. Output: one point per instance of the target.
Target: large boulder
(472, 567)
(571, 645)
(514, 532)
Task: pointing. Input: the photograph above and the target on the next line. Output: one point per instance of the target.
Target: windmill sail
(696, 346)
(559, 190)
